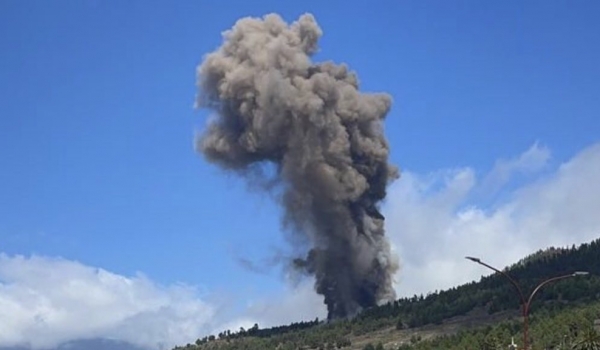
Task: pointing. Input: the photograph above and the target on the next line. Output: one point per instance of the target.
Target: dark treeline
(492, 293)
(495, 293)
(255, 331)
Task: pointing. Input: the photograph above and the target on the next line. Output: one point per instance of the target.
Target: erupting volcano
(325, 140)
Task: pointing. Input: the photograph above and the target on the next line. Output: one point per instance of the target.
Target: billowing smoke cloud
(325, 140)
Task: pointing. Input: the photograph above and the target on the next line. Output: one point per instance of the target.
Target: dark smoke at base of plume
(325, 138)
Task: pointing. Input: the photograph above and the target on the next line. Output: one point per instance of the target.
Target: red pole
(525, 326)
(528, 303)
(525, 303)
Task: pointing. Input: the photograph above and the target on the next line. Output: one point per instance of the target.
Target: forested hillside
(562, 312)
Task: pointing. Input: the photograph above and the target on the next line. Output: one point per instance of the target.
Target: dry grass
(391, 338)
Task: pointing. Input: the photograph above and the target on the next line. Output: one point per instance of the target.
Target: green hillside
(477, 315)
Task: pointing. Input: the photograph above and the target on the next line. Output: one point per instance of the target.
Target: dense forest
(563, 314)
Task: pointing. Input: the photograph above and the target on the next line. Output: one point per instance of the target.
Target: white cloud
(432, 224)
(297, 303)
(47, 301)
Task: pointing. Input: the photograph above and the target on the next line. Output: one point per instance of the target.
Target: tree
(369, 347)
(589, 340)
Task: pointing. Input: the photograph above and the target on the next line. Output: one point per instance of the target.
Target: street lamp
(525, 303)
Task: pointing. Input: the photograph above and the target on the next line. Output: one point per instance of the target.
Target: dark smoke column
(326, 141)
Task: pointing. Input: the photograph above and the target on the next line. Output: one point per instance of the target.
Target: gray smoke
(325, 140)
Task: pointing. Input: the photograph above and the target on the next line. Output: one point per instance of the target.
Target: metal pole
(525, 304)
(519, 291)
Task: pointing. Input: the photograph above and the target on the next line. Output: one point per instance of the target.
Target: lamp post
(526, 303)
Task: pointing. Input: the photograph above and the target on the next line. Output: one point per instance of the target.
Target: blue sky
(97, 128)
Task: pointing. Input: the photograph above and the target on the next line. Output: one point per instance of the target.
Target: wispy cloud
(527, 163)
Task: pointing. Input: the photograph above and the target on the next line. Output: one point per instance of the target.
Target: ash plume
(325, 139)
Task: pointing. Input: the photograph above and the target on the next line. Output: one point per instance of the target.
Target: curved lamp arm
(550, 280)
(512, 281)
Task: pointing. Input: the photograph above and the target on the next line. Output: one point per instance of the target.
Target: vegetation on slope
(568, 303)
(570, 328)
